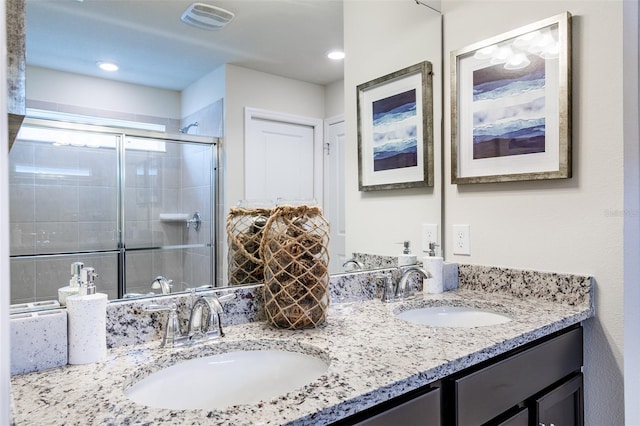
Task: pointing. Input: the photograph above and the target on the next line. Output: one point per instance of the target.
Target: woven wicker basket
(296, 258)
(244, 235)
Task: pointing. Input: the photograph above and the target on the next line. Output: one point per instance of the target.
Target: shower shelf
(174, 217)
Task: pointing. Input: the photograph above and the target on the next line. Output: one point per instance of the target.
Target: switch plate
(461, 240)
(429, 234)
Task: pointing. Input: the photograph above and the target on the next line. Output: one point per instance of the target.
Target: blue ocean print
(509, 110)
(394, 132)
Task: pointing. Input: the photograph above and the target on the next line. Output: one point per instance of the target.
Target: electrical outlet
(429, 235)
(461, 240)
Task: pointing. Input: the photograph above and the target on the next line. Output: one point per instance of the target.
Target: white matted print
(395, 130)
(511, 106)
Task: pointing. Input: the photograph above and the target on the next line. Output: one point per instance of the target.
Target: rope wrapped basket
(295, 255)
(245, 228)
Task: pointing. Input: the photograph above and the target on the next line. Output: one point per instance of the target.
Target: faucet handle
(388, 290)
(226, 297)
(172, 333)
(216, 304)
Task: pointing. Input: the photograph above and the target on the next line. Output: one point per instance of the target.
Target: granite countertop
(373, 356)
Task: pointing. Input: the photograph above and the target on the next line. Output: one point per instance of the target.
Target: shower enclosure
(133, 204)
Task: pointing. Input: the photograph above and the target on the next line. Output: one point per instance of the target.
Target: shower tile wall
(152, 187)
(196, 172)
(196, 196)
(62, 200)
(171, 124)
(175, 181)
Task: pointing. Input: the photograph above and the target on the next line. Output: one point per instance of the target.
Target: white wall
(334, 99)
(240, 88)
(249, 88)
(382, 37)
(86, 92)
(573, 225)
(203, 92)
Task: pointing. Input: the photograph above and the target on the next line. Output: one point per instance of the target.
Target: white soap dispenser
(74, 284)
(406, 258)
(435, 266)
(87, 322)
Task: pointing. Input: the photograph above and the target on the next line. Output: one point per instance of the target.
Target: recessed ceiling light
(108, 66)
(336, 55)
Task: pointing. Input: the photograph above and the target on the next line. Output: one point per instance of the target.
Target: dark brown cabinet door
(489, 392)
(563, 405)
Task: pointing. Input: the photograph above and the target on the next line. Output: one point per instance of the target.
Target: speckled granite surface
(128, 324)
(373, 356)
(376, 261)
(563, 288)
(38, 340)
(16, 39)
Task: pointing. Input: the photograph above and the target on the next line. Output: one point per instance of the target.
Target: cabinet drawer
(423, 410)
(519, 419)
(486, 393)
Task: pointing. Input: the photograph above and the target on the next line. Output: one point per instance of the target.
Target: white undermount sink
(452, 316)
(226, 379)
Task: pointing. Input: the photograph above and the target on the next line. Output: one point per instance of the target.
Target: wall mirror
(290, 39)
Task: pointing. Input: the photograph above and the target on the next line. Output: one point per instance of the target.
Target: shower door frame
(121, 135)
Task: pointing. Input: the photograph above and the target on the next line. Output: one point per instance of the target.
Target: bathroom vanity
(539, 383)
(381, 368)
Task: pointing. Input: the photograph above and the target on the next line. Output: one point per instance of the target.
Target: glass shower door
(63, 209)
(133, 207)
(167, 208)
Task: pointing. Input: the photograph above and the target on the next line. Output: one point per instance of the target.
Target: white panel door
(334, 192)
(282, 160)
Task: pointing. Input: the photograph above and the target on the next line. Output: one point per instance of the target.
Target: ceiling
(153, 47)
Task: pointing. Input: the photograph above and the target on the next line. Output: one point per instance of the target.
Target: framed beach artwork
(395, 130)
(511, 105)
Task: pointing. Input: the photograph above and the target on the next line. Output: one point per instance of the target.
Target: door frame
(328, 122)
(318, 143)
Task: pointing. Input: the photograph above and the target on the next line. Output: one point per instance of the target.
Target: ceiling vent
(206, 16)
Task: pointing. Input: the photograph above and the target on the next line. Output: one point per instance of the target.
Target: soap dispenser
(74, 284)
(406, 258)
(435, 266)
(87, 321)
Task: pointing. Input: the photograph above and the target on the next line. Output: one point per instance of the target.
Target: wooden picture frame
(395, 130)
(511, 105)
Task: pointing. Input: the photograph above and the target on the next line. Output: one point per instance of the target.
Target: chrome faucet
(401, 290)
(357, 265)
(162, 283)
(204, 321)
